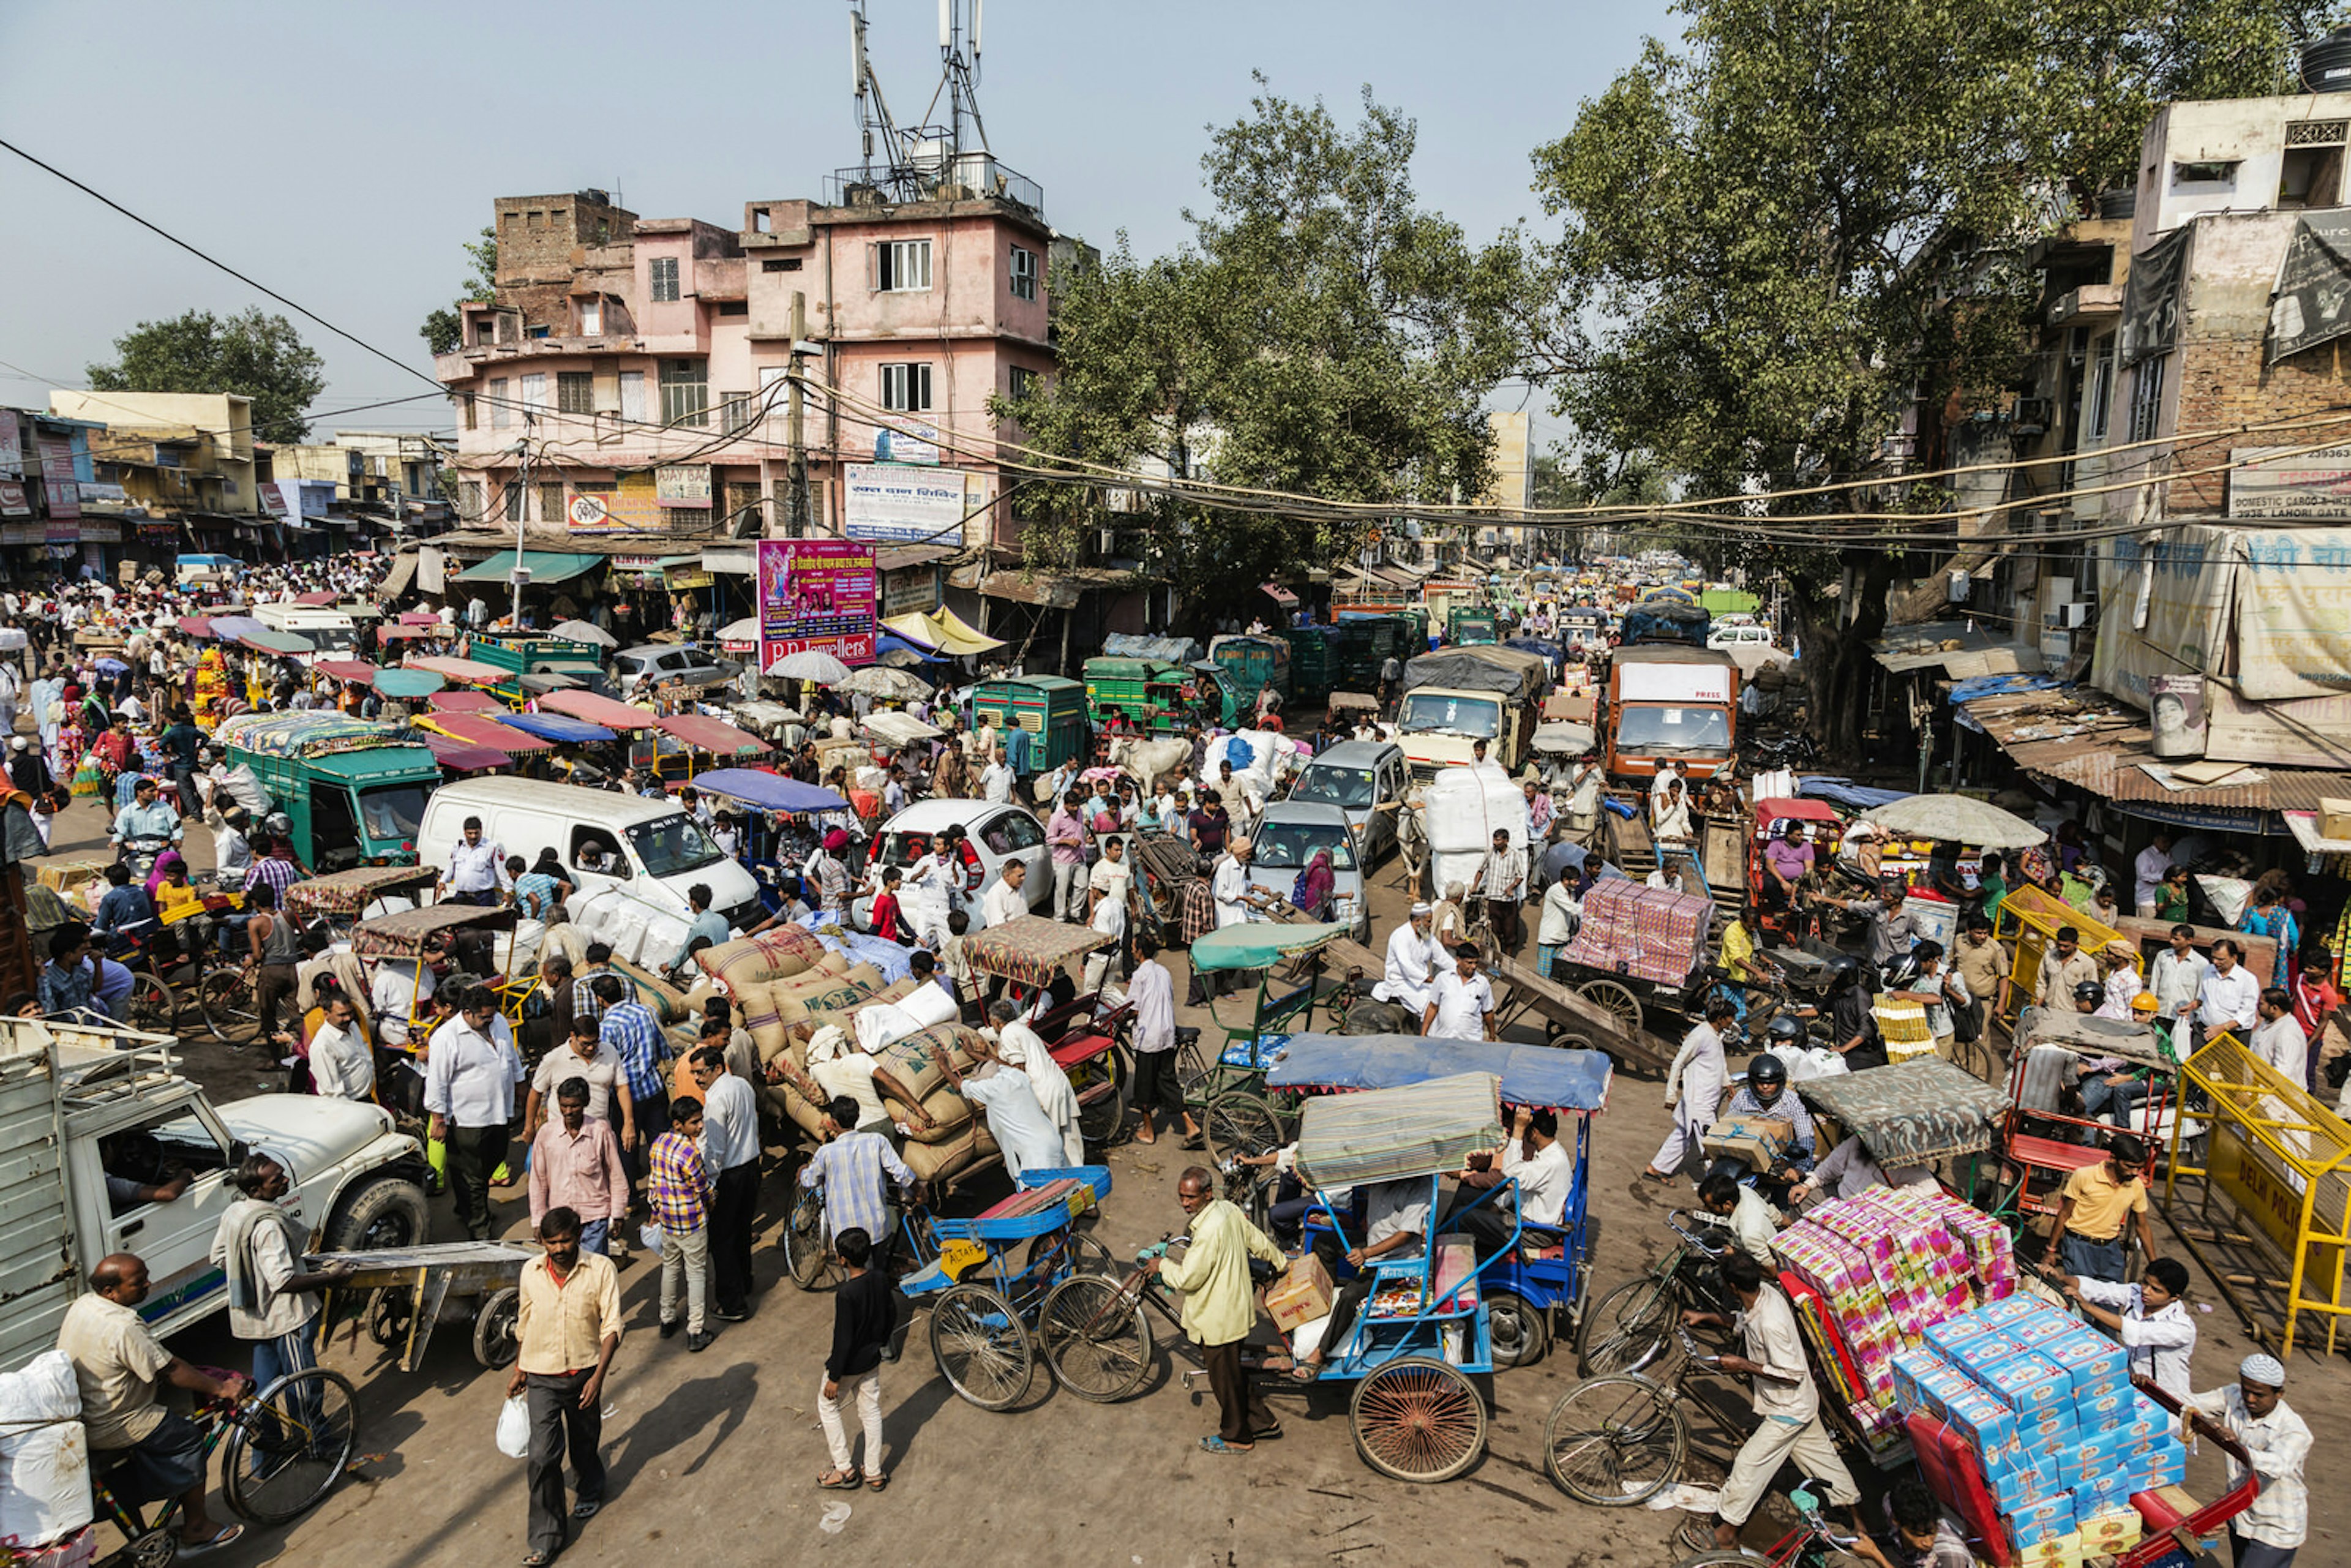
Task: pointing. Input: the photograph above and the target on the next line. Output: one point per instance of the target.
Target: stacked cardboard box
(2046, 1403)
(1648, 932)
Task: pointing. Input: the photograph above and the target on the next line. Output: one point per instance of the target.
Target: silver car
(1287, 839)
(659, 662)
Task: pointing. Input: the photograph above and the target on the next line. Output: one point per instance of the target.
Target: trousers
(475, 1156)
(736, 1192)
(1069, 890)
(560, 1426)
(865, 1387)
(684, 1261)
(1241, 1411)
(1772, 1444)
(1685, 1140)
(1155, 1088)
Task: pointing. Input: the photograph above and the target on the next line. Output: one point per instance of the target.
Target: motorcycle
(141, 851)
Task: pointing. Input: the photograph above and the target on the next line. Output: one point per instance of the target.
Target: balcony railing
(962, 177)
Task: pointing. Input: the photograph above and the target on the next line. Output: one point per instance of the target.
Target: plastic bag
(248, 790)
(513, 1429)
(650, 1237)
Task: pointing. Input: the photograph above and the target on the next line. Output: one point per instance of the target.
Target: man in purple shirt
(1066, 833)
(1786, 861)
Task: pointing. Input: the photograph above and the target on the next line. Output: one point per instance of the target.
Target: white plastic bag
(513, 1429)
(650, 1237)
(248, 790)
(44, 1453)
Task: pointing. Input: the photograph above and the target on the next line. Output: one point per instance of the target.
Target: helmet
(1767, 1070)
(2147, 1002)
(1785, 1031)
(1845, 970)
(2089, 991)
(279, 823)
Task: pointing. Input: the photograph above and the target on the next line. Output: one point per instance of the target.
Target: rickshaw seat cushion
(2053, 1154)
(2160, 1512)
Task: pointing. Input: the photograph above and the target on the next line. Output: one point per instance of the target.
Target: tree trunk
(1837, 653)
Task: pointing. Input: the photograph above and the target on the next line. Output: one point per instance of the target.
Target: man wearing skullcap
(1414, 960)
(2253, 1411)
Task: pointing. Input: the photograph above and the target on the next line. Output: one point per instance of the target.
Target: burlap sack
(949, 1113)
(914, 1061)
(946, 1161)
(829, 993)
(779, 953)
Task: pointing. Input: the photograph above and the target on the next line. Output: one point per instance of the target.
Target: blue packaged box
(2039, 1328)
(2098, 1367)
(1910, 1368)
(2041, 1520)
(1988, 1425)
(2012, 1490)
(1937, 1389)
(1946, 1338)
(2102, 1412)
(1984, 1351)
(2164, 1469)
(2028, 1383)
(2104, 1494)
(2008, 1310)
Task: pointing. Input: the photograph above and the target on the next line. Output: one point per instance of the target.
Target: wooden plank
(1563, 1006)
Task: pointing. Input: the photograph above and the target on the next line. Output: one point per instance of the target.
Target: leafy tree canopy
(260, 357)
(445, 328)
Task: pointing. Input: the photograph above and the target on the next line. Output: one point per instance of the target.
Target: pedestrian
(1411, 964)
(634, 1037)
(2278, 1039)
(1502, 881)
(478, 869)
(1065, 832)
(272, 1302)
(576, 1164)
(1151, 993)
(1694, 1086)
(1461, 1002)
(864, 1317)
(1784, 1396)
(730, 1154)
(1027, 1138)
(2253, 1411)
(272, 957)
(469, 1092)
(342, 1063)
(1220, 1304)
(1018, 1045)
(567, 1331)
(2093, 1206)
(677, 1191)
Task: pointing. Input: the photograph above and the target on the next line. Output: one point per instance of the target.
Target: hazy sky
(341, 152)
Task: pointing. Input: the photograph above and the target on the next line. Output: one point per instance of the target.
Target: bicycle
(1096, 1337)
(1639, 1315)
(1620, 1439)
(287, 1444)
(1809, 1545)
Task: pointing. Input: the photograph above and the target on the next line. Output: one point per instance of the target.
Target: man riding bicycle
(855, 1171)
(121, 1370)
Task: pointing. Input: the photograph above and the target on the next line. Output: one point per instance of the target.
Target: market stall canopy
(809, 664)
(349, 892)
(1912, 1112)
(393, 633)
(1957, 819)
(484, 731)
(742, 633)
(229, 628)
(596, 709)
(284, 644)
(196, 626)
(585, 632)
(900, 729)
(713, 736)
(465, 756)
(468, 702)
(1029, 948)
(464, 671)
(545, 566)
(877, 682)
(942, 629)
(407, 934)
(317, 596)
(1258, 944)
(766, 713)
(1390, 1134)
(419, 618)
(1531, 1075)
(355, 670)
(406, 684)
(555, 726)
(538, 683)
(769, 791)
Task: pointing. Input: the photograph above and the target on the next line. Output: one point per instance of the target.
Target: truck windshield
(1663, 730)
(1334, 786)
(671, 845)
(395, 812)
(1287, 846)
(1480, 718)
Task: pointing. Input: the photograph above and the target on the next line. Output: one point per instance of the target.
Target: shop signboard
(903, 440)
(912, 590)
(12, 445)
(904, 504)
(15, 499)
(628, 504)
(2282, 482)
(816, 594)
(57, 482)
(682, 485)
(2311, 304)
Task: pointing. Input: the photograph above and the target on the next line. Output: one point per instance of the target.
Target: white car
(1001, 832)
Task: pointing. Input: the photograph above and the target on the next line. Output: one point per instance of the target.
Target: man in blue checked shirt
(633, 1036)
(585, 1002)
(851, 1170)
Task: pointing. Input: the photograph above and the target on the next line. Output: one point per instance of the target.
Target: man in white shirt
(730, 1150)
(2177, 978)
(1007, 899)
(2278, 1040)
(2228, 998)
(2150, 1317)
(1020, 1046)
(1109, 919)
(469, 1090)
(1237, 905)
(1533, 1158)
(1461, 1003)
(1694, 1086)
(1414, 959)
(2253, 1411)
(996, 780)
(1751, 1220)
(1111, 875)
(2147, 872)
(342, 1065)
(477, 868)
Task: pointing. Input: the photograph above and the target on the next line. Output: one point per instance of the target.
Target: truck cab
(1467, 625)
(522, 655)
(102, 1113)
(1668, 701)
(326, 628)
(1455, 697)
(355, 792)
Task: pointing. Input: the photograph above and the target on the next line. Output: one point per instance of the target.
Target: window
(575, 392)
(473, 417)
(664, 280)
(1023, 274)
(2147, 398)
(763, 220)
(469, 492)
(592, 317)
(534, 393)
(550, 503)
(512, 494)
(501, 407)
(1015, 832)
(2205, 172)
(685, 392)
(902, 265)
(737, 412)
(632, 396)
(906, 389)
(535, 221)
(1024, 381)
(781, 264)
(2102, 391)
(485, 330)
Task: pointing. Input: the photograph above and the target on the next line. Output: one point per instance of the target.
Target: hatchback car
(1364, 778)
(659, 662)
(1000, 832)
(1287, 839)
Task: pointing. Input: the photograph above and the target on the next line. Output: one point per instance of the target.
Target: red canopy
(467, 701)
(596, 709)
(419, 618)
(464, 755)
(484, 731)
(320, 596)
(1772, 809)
(407, 631)
(357, 670)
(712, 734)
(468, 672)
(196, 626)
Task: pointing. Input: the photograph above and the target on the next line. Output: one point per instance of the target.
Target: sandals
(1216, 1444)
(229, 1535)
(539, 1559)
(838, 1480)
(877, 1482)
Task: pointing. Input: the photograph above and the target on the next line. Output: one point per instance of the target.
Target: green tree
(1810, 216)
(445, 328)
(260, 357)
(1323, 334)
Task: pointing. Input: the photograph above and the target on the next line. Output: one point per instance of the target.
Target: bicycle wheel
(290, 1443)
(1095, 1337)
(1616, 1441)
(226, 1003)
(1240, 1123)
(1626, 1329)
(1101, 1088)
(1192, 1073)
(149, 1008)
(806, 1257)
(981, 1348)
(1419, 1419)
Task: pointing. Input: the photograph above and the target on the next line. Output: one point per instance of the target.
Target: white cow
(1150, 760)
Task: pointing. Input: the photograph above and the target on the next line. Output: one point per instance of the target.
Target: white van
(650, 847)
(334, 635)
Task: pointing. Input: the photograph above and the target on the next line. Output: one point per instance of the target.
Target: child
(1923, 1536)
(2150, 1317)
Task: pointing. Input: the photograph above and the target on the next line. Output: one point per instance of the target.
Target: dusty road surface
(713, 1455)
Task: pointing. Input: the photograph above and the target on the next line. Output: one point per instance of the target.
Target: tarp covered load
(769, 791)
(1388, 1134)
(1913, 1113)
(1134, 645)
(1484, 668)
(1531, 1075)
(312, 733)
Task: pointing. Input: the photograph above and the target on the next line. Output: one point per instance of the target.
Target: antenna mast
(949, 151)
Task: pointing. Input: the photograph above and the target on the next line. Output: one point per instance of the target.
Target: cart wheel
(1419, 1419)
(1627, 1329)
(1095, 1338)
(159, 1548)
(1617, 998)
(290, 1444)
(1240, 1123)
(493, 1328)
(804, 1252)
(1616, 1441)
(1102, 1118)
(1516, 1328)
(1080, 1254)
(981, 1347)
(150, 1009)
(389, 1314)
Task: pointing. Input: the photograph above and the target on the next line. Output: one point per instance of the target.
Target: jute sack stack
(769, 1010)
(780, 954)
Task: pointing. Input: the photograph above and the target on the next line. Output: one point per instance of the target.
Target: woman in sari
(1316, 885)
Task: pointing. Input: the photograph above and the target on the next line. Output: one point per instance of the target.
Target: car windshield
(1480, 718)
(1645, 731)
(670, 845)
(1287, 846)
(1334, 786)
(394, 811)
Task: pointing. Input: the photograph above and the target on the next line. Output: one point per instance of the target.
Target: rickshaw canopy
(1778, 808)
(595, 709)
(1029, 948)
(464, 671)
(769, 791)
(1532, 1075)
(406, 684)
(468, 702)
(555, 726)
(407, 934)
(1911, 1113)
(354, 670)
(349, 892)
(1258, 944)
(1353, 702)
(465, 756)
(1392, 1134)
(713, 736)
(480, 729)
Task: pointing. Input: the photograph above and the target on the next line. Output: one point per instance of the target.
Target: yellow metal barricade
(2031, 917)
(2281, 1162)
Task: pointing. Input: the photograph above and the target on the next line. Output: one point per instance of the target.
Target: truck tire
(384, 1213)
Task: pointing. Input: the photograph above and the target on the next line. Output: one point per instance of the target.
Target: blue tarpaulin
(769, 791)
(895, 962)
(1535, 1075)
(555, 726)
(1976, 686)
(1846, 793)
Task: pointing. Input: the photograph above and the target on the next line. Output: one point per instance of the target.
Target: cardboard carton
(2333, 818)
(1761, 1141)
(1300, 1296)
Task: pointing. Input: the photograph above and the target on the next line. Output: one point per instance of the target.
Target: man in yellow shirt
(1220, 1305)
(567, 1330)
(2097, 1201)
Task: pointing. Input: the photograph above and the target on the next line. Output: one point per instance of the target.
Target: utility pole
(521, 573)
(796, 505)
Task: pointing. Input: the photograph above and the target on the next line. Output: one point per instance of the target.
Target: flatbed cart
(403, 1293)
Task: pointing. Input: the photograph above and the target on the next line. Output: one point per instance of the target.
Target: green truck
(1160, 697)
(527, 655)
(1464, 625)
(353, 790)
(1051, 708)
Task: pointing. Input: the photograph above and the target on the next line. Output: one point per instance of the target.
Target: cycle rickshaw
(1086, 1038)
(1228, 1090)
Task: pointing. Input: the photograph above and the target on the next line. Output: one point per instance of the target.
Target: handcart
(403, 1293)
(1085, 1037)
(1636, 947)
(985, 1299)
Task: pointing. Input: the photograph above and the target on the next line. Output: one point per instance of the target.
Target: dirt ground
(715, 1454)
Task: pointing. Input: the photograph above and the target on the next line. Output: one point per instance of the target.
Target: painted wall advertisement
(903, 440)
(628, 504)
(682, 485)
(816, 594)
(905, 505)
(58, 478)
